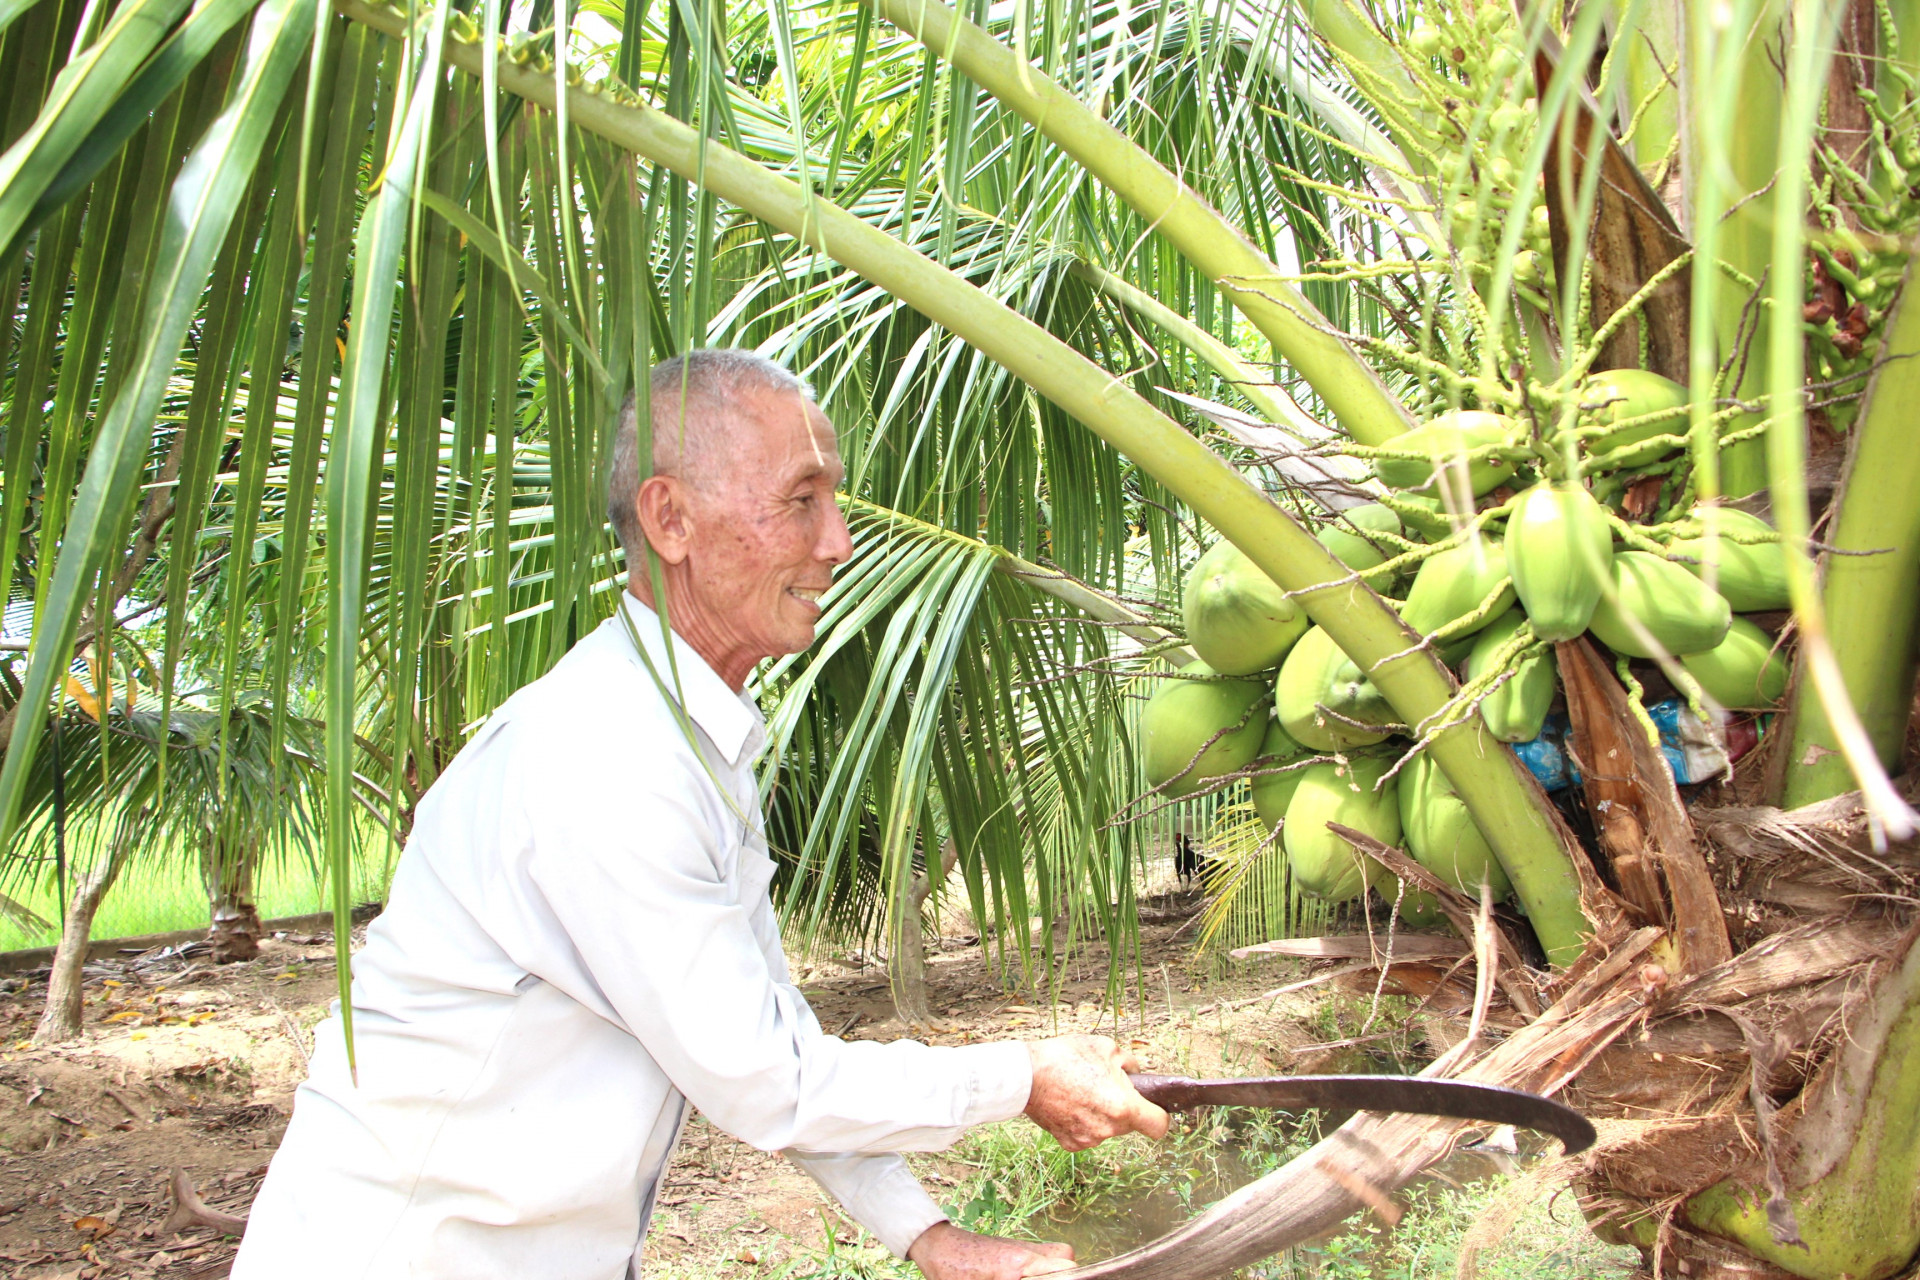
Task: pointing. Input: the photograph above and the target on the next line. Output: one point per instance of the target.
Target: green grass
(1549, 1240)
(162, 891)
(1019, 1182)
(1381, 1030)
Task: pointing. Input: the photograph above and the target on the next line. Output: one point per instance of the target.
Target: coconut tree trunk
(235, 931)
(1846, 1202)
(908, 971)
(60, 1019)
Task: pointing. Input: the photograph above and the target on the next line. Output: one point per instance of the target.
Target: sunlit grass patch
(162, 892)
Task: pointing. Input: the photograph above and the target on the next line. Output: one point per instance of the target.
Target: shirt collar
(731, 721)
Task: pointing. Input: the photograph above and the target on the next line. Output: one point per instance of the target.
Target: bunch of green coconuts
(1490, 564)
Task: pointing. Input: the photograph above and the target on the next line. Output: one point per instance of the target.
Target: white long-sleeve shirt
(578, 942)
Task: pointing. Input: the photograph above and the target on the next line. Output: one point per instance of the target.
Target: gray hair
(689, 399)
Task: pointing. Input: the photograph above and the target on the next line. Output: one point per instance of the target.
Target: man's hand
(1081, 1094)
(945, 1252)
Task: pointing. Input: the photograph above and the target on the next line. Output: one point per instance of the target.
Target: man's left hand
(945, 1252)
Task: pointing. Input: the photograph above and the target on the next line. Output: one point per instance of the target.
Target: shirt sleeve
(880, 1193)
(877, 1191)
(642, 882)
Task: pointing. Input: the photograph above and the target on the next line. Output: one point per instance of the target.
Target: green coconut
(1190, 713)
(1439, 443)
(1442, 836)
(1517, 710)
(1452, 583)
(1560, 550)
(1323, 864)
(1317, 674)
(1679, 613)
(1743, 672)
(1751, 575)
(1273, 791)
(1616, 396)
(1418, 908)
(1346, 535)
(1238, 619)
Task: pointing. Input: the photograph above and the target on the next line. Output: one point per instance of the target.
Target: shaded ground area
(189, 1066)
(183, 1065)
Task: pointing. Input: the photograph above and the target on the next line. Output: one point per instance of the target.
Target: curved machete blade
(1457, 1099)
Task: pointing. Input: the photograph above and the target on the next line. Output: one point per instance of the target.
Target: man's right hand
(945, 1252)
(1081, 1094)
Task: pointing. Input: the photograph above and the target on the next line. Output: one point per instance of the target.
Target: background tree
(118, 789)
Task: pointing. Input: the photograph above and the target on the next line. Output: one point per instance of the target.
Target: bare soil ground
(189, 1065)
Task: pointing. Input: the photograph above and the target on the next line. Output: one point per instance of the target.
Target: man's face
(768, 532)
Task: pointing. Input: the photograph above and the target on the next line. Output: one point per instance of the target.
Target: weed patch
(1548, 1241)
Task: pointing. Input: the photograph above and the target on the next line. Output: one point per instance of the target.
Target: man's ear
(665, 517)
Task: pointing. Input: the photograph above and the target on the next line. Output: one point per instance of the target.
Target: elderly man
(579, 944)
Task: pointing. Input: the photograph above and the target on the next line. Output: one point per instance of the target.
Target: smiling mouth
(810, 595)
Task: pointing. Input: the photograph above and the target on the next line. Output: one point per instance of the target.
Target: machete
(1457, 1099)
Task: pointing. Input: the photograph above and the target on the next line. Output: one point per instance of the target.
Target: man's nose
(836, 543)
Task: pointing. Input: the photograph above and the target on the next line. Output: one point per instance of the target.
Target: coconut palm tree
(1000, 253)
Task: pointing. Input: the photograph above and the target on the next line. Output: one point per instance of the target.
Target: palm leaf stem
(1259, 390)
(1744, 56)
(1811, 50)
(1062, 586)
(1300, 334)
(1869, 595)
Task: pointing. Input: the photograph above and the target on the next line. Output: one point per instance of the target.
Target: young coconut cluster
(1527, 560)
(1490, 562)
